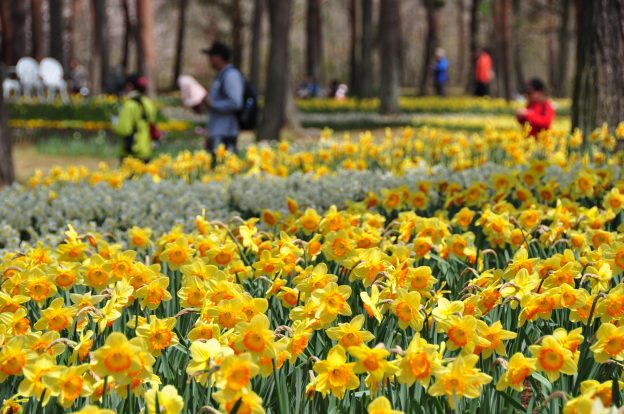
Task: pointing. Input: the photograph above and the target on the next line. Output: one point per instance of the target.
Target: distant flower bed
(170, 125)
(427, 104)
(100, 108)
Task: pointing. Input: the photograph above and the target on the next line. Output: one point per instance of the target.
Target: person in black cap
(224, 101)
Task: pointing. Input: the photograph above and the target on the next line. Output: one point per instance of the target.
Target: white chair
(51, 72)
(11, 89)
(10, 86)
(27, 70)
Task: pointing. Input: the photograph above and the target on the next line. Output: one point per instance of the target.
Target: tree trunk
(461, 41)
(551, 38)
(138, 43)
(561, 86)
(127, 36)
(354, 84)
(599, 79)
(18, 24)
(314, 40)
(518, 61)
(100, 52)
(7, 33)
(179, 49)
(256, 36)
(501, 13)
(7, 172)
(366, 63)
(36, 28)
(273, 116)
(56, 31)
(388, 27)
(495, 37)
(72, 33)
(237, 29)
(474, 41)
(145, 19)
(399, 49)
(431, 43)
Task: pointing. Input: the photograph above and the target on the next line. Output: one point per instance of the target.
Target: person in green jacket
(135, 116)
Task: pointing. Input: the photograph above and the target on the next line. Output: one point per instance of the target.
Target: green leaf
(511, 400)
(544, 381)
(234, 409)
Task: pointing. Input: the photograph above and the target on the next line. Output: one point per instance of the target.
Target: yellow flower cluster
(429, 104)
(508, 285)
(464, 294)
(173, 125)
(477, 123)
(396, 152)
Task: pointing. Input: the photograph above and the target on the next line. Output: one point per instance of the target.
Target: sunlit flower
(335, 374)
(459, 379)
(553, 358)
(165, 401)
(518, 369)
(381, 405)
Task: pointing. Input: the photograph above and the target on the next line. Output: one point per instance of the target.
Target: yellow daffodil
(459, 379)
(350, 334)
(381, 405)
(553, 358)
(372, 361)
(165, 401)
(335, 374)
(158, 333)
(518, 369)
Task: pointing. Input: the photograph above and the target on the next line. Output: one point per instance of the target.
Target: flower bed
(378, 274)
(428, 104)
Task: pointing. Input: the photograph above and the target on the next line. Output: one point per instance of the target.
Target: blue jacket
(226, 98)
(440, 71)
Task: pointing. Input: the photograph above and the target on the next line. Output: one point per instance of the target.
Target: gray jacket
(226, 97)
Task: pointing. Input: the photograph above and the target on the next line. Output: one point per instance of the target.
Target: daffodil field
(422, 271)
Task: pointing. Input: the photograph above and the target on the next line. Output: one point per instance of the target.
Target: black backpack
(248, 115)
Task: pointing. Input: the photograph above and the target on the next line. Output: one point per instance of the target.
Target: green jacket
(132, 120)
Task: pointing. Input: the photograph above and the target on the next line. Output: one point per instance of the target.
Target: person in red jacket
(483, 72)
(539, 113)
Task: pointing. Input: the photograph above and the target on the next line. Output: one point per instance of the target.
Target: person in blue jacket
(440, 72)
(225, 99)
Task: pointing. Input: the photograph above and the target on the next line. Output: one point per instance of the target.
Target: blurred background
(104, 36)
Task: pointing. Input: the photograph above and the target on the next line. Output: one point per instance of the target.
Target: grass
(27, 159)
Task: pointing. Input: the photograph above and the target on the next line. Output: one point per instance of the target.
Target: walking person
(483, 73)
(225, 100)
(136, 120)
(440, 72)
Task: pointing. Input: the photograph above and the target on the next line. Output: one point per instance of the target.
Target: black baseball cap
(219, 49)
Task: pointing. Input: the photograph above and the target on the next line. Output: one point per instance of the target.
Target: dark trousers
(440, 88)
(482, 89)
(213, 143)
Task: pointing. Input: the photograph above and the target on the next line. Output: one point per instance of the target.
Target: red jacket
(483, 68)
(539, 115)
